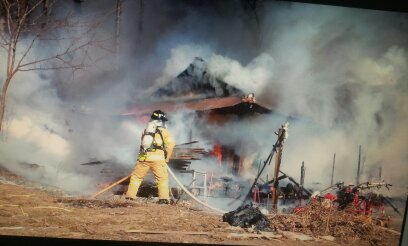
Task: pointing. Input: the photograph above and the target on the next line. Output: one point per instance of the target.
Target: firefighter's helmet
(159, 115)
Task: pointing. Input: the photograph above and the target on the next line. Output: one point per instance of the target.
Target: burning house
(210, 103)
(210, 100)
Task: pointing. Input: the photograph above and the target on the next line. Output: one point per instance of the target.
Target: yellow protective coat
(156, 161)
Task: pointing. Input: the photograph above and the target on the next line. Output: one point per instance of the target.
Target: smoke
(342, 75)
(332, 72)
(251, 78)
(180, 57)
(340, 72)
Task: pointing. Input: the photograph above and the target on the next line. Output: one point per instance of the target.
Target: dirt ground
(28, 211)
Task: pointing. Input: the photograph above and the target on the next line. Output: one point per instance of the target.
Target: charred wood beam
(192, 142)
(279, 179)
(296, 183)
(92, 163)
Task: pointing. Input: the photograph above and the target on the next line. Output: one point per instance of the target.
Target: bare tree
(26, 25)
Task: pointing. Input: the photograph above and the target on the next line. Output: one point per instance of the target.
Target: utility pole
(282, 134)
(363, 159)
(358, 166)
(334, 160)
(302, 182)
(302, 175)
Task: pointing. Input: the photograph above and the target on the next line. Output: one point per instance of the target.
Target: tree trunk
(117, 32)
(3, 100)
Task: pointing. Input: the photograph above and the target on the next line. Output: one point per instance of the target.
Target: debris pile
(318, 220)
(246, 217)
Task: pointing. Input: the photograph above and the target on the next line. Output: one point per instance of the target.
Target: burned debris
(246, 217)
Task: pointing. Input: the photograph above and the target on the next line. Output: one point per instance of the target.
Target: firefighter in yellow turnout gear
(155, 152)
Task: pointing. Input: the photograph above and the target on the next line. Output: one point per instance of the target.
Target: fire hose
(191, 195)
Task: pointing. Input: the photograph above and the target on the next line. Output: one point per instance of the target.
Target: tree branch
(66, 52)
(26, 52)
(23, 18)
(10, 41)
(8, 15)
(3, 38)
(53, 68)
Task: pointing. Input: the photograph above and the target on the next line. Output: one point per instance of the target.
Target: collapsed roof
(196, 81)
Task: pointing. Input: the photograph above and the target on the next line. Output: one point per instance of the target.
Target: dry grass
(318, 220)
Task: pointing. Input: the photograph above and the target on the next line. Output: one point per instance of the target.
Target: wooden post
(332, 175)
(282, 135)
(363, 159)
(379, 174)
(302, 174)
(358, 166)
(275, 187)
(302, 182)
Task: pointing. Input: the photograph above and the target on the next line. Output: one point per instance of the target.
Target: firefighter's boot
(163, 187)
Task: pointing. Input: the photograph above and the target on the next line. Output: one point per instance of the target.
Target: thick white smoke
(345, 88)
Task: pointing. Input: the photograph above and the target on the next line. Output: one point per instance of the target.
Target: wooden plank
(169, 232)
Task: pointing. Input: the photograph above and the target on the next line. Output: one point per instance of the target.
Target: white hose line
(192, 196)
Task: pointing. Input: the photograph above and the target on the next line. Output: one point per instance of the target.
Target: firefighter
(155, 152)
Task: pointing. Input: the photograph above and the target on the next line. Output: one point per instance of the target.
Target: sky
(341, 72)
